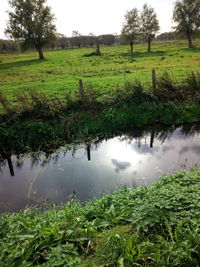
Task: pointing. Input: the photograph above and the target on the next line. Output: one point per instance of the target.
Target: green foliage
(193, 81)
(31, 22)
(169, 89)
(62, 255)
(146, 226)
(187, 16)
(131, 28)
(139, 27)
(166, 83)
(150, 24)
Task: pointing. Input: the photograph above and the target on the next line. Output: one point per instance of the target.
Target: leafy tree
(187, 16)
(149, 24)
(31, 22)
(131, 28)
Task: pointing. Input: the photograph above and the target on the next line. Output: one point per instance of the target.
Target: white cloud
(99, 17)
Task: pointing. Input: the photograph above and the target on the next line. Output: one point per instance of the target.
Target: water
(90, 170)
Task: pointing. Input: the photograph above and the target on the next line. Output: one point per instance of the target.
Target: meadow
(60, 72)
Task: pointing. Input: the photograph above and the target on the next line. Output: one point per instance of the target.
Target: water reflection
(185, 149)
(120, 165)
(88, 170)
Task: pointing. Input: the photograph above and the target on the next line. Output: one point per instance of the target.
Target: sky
(98, 17)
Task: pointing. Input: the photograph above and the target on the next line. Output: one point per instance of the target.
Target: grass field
(61, 70)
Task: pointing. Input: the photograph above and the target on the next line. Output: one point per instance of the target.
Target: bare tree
(76, 36)
(107, 39)
(91, 39)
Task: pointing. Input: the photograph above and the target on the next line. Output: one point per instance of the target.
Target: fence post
(81, 90)
(154, 79)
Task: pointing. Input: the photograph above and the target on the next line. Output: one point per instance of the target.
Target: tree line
(9, 46)
(32, 24)
(61, 42)
(79, 40)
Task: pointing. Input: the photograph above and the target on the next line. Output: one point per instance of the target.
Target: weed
(192, 82)
(165, 82)
(145, 226)
(5, 103)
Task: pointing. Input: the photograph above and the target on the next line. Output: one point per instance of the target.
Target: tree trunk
(149, 44)
(131, 44)
(10, 165)
(89, 152)
(152, 139)
(40, 52)
(190, 44)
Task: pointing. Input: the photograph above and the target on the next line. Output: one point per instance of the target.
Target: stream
(88, 171)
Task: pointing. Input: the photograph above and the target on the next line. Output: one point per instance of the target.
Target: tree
(107, 39)
(91, 39)
(77, 38)
(166, 36)
(130, 31)
(32, 23)
(62, 41)
(149, 24)
(187, 16)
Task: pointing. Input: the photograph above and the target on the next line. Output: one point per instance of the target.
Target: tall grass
(192, 82)
(169, 89)
(6, 105)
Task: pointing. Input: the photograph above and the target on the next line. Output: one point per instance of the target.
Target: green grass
(61, 70)
(146, 226)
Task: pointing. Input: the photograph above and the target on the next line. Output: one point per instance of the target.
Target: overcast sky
(98, 17)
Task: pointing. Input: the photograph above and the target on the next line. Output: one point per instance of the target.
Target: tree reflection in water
(43, 158)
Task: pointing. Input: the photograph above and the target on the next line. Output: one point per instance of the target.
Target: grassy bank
(22, 135)
(146, 226)
(37, 122)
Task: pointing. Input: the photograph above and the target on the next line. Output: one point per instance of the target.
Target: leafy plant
(145, 226)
